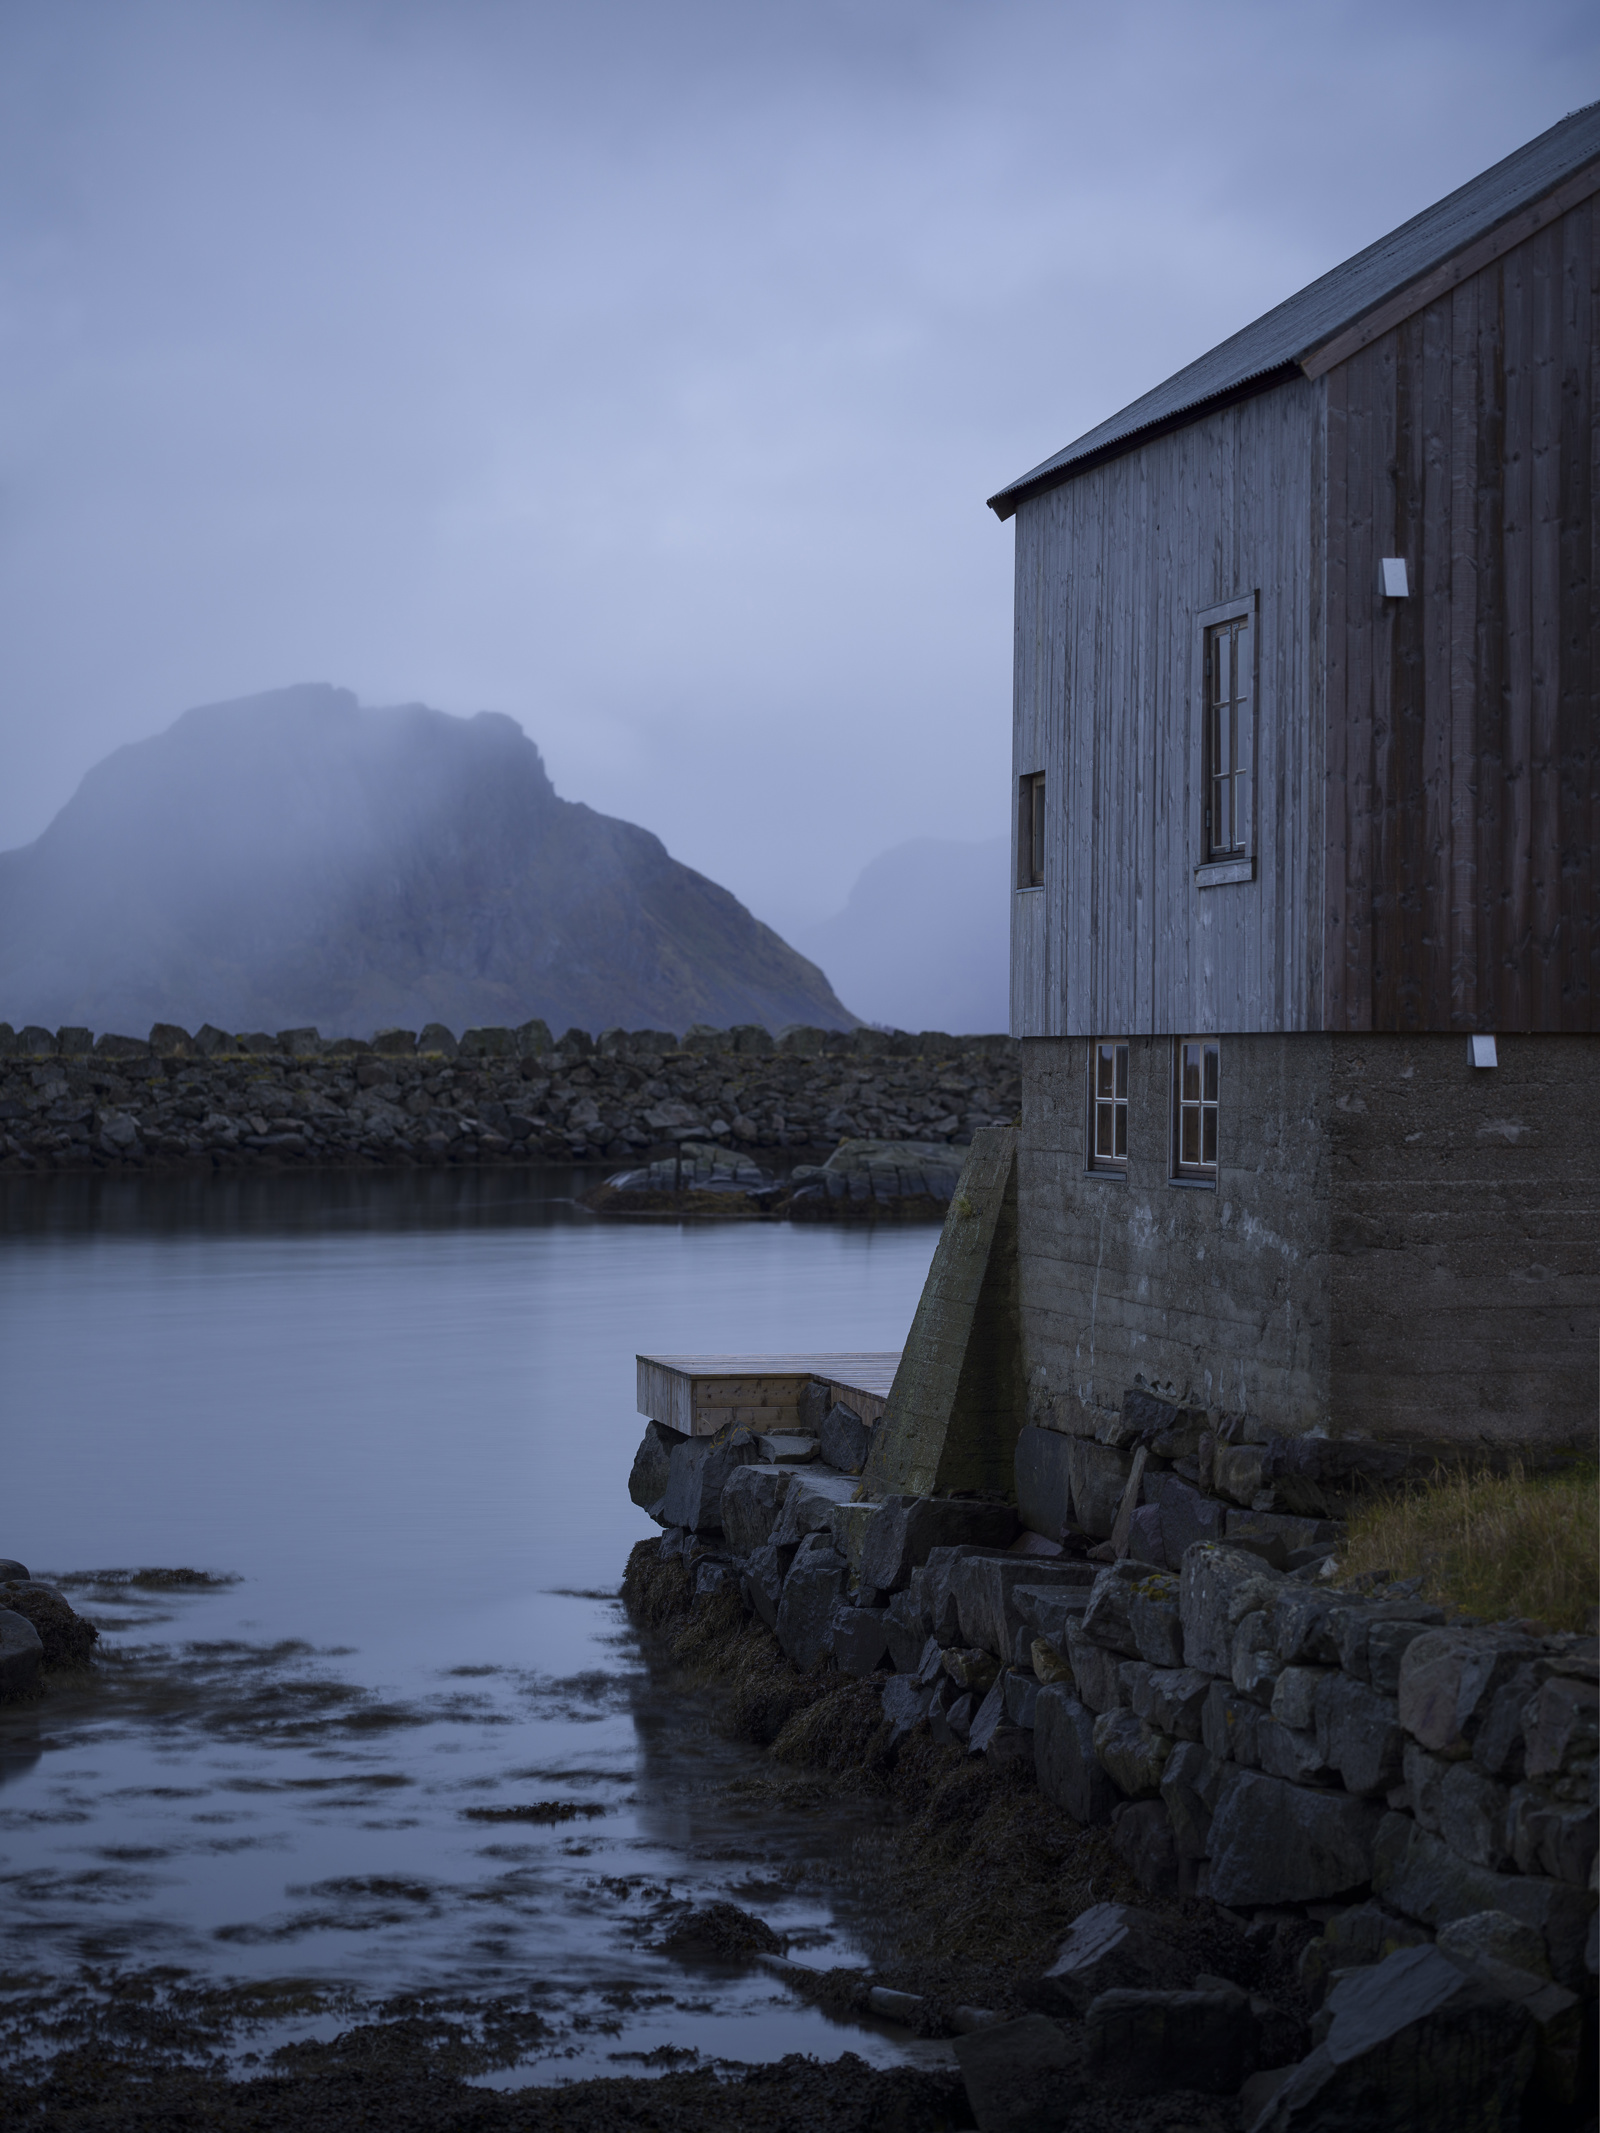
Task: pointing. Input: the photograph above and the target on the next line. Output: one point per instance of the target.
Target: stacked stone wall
(71, 1101)
(1250, 1733)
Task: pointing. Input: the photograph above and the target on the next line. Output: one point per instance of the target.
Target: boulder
(938, 1595)
(813, 1495)
(1172, 1698)
(859, 1644)
(905, 1704)
(1022, 1695)
(1286, 1752)
(68, 1638)
(10, 1569)
(1106, 1619)
(1253, 1666)
(1144, 2042)
(1376, 1633)
(21, 1655)
(811, 1593)
(1218, 1587)
(1229, 1725)
(1353, 1940)
(1097, 1673)
(1191, 1783)
(1098, 1474)
(1417, 1873)
(1494, 1937)
(1186, 1514)
(435, 1041)
(1275, 1842)
(1359, 1735)
(906, 1629)
(1142, 1838)
(982, 1585)
(908, 1529)
(752, 1503)
(988, 1719)
(1144, 1536)
(845, 1439)
(1474, 1820)
(1069, 1772)
(1047, 1609)
(1304, 1625)
(847, 1524)
(1020, 2077)
(1499, 1747)
(647, 1483)
(1447, 1682)
(1112, 1947)
(970, 1667)
(1412, 2045)
(762, 1583)
(1543, 1835)
(697, 1471)
(1132, 1753)
(1155, 1621)
(1560, 1726)
(1044, 1481)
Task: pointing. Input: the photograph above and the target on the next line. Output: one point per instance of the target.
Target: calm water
(400, 1412)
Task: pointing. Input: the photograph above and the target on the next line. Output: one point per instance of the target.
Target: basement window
(1108, 1106)
(1030, 831)
(1195, 1085)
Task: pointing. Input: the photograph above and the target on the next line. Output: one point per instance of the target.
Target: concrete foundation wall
(1398, 1244)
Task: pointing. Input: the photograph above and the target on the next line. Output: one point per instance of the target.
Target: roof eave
(1004, 502)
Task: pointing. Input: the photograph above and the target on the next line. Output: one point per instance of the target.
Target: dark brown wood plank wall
(1463, 788)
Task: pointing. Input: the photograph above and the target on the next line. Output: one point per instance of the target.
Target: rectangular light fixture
(1394, 578)
(1480, 1050)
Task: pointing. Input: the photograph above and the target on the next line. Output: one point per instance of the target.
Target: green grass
(1493, 1545)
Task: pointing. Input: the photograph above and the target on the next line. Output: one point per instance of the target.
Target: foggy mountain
(293, 858)
(924, 940)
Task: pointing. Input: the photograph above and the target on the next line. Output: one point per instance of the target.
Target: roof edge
(1004, 502)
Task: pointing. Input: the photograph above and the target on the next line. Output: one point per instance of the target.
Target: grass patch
(1515, 1544)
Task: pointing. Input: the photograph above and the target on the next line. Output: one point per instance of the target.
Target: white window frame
(1097, 1163)
(1238, 865)
(1196, 1172)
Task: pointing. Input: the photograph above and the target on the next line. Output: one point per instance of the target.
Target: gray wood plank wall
(1112, 569)
(1463, 807)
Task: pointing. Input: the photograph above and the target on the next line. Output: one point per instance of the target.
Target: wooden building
(1307, 760)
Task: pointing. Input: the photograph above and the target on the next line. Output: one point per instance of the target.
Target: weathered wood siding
(1112, 570)
(1463, 802)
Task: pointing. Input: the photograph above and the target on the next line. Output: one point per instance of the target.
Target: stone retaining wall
(1252, 1733)
(71, 1101)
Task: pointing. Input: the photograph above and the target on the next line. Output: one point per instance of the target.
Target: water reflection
(400, 1411)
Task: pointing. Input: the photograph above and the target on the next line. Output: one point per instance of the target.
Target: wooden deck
(698, 1394)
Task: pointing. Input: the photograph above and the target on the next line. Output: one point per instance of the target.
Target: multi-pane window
(1108, 1105)
(1030, 831)
(1199, 1066)
(1227, 734)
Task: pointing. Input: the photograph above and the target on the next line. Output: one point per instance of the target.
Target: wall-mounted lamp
(1394, 578)
(1480, 1050)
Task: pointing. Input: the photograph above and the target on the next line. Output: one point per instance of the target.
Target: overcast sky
(641, 370)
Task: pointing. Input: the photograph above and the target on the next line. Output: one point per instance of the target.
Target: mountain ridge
(297, 858)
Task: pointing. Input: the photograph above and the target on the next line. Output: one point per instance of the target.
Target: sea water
(391, 1418)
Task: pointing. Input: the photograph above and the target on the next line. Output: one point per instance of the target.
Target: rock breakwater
(70, 1101)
